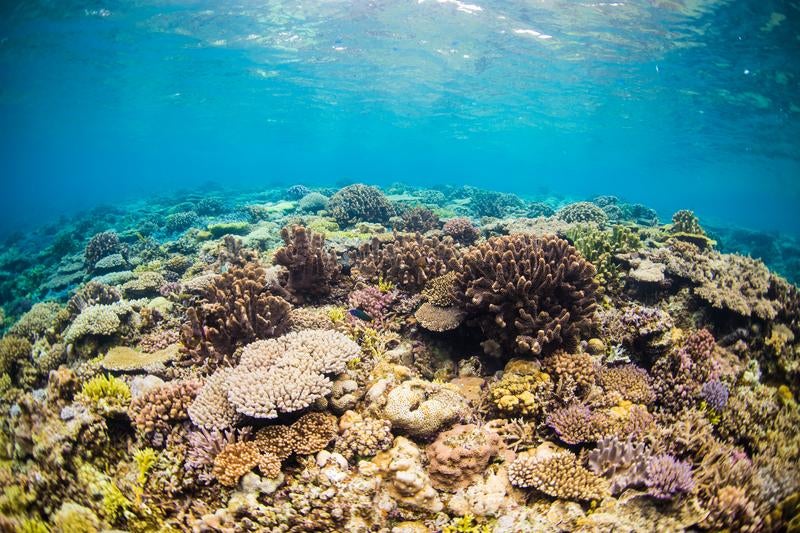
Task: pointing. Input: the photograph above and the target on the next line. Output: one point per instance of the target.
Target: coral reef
(334, 369)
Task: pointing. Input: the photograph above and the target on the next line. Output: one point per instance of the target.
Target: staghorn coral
(582, 212)
(527, 294)
(237, 309)
(461, 230)
(421, 408)
(408, 261)
(557, 473)
(460, 455)
(668, 477)
(311, 268)
(360, 203)
(622, 462)
(157, 409)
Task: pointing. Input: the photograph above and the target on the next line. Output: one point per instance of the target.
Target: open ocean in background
(674, 104)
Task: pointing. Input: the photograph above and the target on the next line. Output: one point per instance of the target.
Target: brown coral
(154, 411)
(279, 441)
(556, 472)
(435, 318)
(629, 382)
(311, 268)
(408, 261)
(235, 460)
(527, 294)
(314, 431)
(458, 456)
(578, 369)
(237, 309)
(364, 438)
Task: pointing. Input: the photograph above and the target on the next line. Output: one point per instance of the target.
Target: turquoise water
(675, 104)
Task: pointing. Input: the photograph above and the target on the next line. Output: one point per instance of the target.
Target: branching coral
(668, 477)
(528, 294)
(105, 394)
(628, 382)
(679, 375)
(575, 370)
(408, 261)
(360, 203)
(622, 462)
(311, 268)
(556, 472)
(157, 409)
(419, 219)
(38, 321)
(237, 309)
(99, 246)
(274, 376)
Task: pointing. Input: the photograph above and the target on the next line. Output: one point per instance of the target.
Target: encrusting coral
(527, 294)
(460, 455)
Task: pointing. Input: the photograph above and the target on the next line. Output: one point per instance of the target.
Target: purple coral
(573, 424)
(372, 301)
(624, 463)
(668, 477)
(646, 321)
(715, 393)
(204, 446)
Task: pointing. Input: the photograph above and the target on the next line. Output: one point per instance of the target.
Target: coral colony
(398, 361)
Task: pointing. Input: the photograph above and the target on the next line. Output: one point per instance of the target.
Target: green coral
(466, 524)
(145, 459)
(228, 228)
(105, 394)
(600, 246)
(32, 525)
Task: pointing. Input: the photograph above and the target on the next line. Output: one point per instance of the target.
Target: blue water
(675, 104)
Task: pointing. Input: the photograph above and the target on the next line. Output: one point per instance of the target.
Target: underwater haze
(674, 104)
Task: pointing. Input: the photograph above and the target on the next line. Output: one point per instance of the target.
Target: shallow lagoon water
(569, 303)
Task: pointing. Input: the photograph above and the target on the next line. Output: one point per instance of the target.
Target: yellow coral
(105, 393)
(145, 459)
(466, 524)
(385, 285)
(518, 394)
